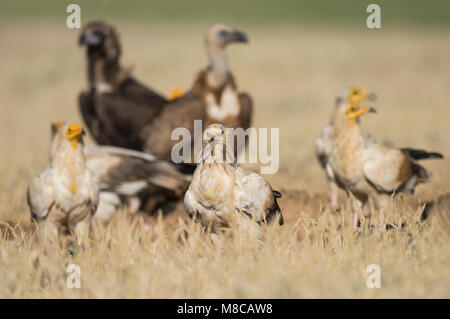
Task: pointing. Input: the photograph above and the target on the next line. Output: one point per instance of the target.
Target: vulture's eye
(223, 34)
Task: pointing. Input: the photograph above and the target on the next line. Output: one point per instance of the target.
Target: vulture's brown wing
(246, 104)
(131, 173)
(87, 108)
(118, 117)
(179, 113)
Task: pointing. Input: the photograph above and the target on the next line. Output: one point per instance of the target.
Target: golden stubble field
(293, 75)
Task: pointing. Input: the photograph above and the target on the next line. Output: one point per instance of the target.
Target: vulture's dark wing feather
(179, 113)
(117, 117)
(129, 173)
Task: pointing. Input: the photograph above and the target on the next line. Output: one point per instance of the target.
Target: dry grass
(293, 75)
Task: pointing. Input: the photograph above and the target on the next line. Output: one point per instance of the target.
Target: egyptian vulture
(368, 169)
(213, 98)
(132, 179)
(64, 196)
(324, 143)
(222, 192)
(115, 107)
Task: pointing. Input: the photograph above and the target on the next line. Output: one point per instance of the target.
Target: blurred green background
(325, 13)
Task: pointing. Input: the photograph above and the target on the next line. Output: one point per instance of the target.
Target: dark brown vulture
(213, 98)
(115, 107)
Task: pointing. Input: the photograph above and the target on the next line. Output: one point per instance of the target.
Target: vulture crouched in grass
(223, 194)
(213, 98)
(115, 107)
(368, 169)
(131, 179)
(63, 198)
(324, 143)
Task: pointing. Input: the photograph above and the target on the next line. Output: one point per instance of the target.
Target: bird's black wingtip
(277, 194)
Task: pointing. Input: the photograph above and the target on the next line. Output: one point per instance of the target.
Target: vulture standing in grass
(368, 169)
(213, 98)
(115, 107)
(222, 193)
(324, 143)
(132, 179)
(64, 196)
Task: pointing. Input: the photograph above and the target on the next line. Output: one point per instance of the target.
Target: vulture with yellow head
(368, 169)
(64, 196)
(131, 179)
(325, 142)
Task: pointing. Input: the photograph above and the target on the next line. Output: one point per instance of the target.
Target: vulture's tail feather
(420, 154)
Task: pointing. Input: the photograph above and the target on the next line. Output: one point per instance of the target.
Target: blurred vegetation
(323, 13)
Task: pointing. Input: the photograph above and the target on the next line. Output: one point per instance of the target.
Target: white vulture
(324, 143)
(368, 169)
(222, 192)
(64, 196)
(131, 179)
(213, 98)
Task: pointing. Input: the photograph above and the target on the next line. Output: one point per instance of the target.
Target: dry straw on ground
(293, 75)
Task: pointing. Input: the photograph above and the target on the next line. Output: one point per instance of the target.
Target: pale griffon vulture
(115, 107)
(213, 98)
(368, 169)
(222, 192)
(64, 196)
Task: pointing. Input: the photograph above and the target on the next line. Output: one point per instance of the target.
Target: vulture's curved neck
(69, 157)
(218, 72)
(102, 71)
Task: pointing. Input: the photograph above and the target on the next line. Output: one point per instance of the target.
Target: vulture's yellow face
(74, 133)
(355, 97)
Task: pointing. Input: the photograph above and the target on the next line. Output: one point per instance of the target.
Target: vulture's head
(354, 96)
(349, 102)
(220, 35)
(64, 133)
(215, 146)
(101, 40)
(214, 134)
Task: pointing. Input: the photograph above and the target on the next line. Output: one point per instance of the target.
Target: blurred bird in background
(115, 106)
(214, 97)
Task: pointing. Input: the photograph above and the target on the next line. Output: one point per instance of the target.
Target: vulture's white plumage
(64, 196)
(222, 192)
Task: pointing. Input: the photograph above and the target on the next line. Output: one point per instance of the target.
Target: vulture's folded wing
(129, 172)
(388, 170)
(324, 145)
(86, 104)
(255, 198)
(246, 104)
(179, 113)
(40, 194)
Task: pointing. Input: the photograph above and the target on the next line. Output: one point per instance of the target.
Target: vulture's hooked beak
(237, 36)
(90, 38)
